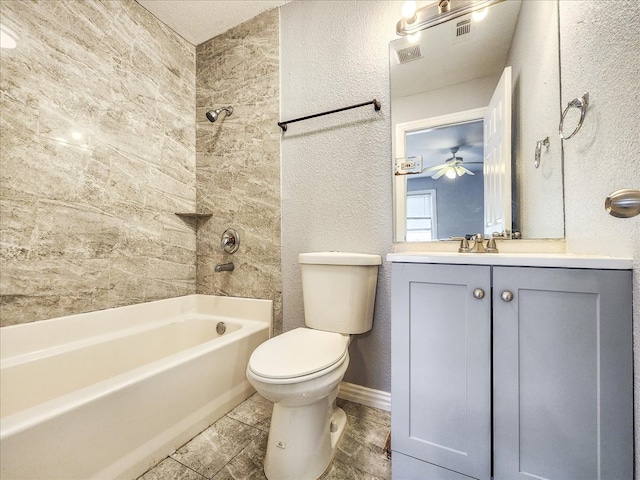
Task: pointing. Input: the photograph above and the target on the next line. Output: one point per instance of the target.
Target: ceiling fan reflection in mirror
(452, 167)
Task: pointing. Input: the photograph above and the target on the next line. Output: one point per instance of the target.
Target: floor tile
(169, 469)
(255, 411)
(211, 450)
(234, 447)
(342, 471)
(248, 464)
(362, 445)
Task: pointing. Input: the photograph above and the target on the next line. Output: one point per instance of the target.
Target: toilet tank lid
(339, 258)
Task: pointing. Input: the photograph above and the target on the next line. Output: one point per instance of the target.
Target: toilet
(300, 371)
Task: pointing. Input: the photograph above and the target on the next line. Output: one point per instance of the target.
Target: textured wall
(336, 183)
(97, 153)
(600, 57)
(238, 160)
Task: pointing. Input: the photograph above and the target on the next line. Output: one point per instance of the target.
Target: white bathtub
(109, 394)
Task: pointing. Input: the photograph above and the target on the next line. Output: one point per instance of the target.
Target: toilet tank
(339, 290)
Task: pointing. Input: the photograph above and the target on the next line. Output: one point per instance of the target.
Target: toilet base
(303, 440)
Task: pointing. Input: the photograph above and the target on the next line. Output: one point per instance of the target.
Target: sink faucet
(478, 245)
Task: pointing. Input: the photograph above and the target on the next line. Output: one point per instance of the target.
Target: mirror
(444, 95)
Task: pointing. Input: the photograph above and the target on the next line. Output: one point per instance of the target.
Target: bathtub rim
(18, 339)
(19, 421)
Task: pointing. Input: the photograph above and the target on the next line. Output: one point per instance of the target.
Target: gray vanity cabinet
(562, 374)
(441, 371)
(511, 373)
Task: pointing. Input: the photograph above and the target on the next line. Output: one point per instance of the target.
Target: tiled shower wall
(238, 160)
(97, 153)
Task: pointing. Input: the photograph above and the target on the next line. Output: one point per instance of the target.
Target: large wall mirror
(475, 105)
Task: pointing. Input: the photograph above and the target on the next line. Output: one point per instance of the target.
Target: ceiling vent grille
(409, 54)
(463, 27)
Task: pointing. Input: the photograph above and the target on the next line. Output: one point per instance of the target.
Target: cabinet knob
(478, 293)
(506, 296)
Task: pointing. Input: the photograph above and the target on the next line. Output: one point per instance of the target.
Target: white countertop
(561, 260)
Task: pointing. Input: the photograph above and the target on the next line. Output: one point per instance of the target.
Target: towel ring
(582, 103)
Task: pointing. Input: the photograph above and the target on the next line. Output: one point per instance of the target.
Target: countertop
(559, 260)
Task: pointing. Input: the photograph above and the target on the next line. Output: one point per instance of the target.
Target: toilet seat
(297, 353)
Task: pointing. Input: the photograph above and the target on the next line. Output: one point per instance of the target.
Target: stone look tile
(97, 153)
(255, 411)
(248, 464)
(211, 450)
(169, 469)
(244, 433)
(363, 443)
(342, 471)
(238, 160)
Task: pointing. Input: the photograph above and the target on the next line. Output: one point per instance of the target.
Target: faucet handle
(491, 246)
(464, 246)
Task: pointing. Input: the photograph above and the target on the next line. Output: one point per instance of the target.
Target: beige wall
(238, 160)
(97, 152)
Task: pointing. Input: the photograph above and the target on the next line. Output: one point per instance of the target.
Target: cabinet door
(441, 366)
(563, 385)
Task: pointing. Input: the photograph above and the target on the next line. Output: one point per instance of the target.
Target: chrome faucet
(478, 244)
(224, 267)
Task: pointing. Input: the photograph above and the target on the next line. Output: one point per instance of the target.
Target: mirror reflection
(469, 100)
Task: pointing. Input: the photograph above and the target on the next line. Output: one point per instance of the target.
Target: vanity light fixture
(437, 13)
(409, 8)
(7, 38)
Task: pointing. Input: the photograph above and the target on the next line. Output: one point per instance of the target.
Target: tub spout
(224, 267)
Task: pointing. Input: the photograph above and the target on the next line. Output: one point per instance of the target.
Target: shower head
(212, 115)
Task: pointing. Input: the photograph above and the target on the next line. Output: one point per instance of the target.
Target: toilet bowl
(300, 371)
(305, 424)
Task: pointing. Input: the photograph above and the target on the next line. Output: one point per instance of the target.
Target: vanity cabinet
(510, 372)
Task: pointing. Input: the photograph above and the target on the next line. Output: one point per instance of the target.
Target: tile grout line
(244, 447)
(186, 466)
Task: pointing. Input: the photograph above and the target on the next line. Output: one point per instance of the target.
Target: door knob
(506, 296)
(478, 293)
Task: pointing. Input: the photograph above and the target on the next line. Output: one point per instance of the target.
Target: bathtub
(109, 394)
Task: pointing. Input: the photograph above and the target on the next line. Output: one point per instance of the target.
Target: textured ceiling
(199, 20)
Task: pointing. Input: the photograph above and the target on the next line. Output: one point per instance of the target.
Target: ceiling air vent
(463, 27)
(408, 54)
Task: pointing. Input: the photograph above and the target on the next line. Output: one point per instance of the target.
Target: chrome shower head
(212, 115)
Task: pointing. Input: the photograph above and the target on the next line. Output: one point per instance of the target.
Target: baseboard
(365, 396)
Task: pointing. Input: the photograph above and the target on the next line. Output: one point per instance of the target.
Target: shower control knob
(506, 296)
(478, 293)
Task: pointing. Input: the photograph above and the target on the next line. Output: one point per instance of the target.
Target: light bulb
(451, 173)
(409, 9)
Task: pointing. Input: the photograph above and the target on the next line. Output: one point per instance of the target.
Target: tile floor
(233, 448)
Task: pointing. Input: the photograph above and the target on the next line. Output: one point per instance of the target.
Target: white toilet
(300, 370)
